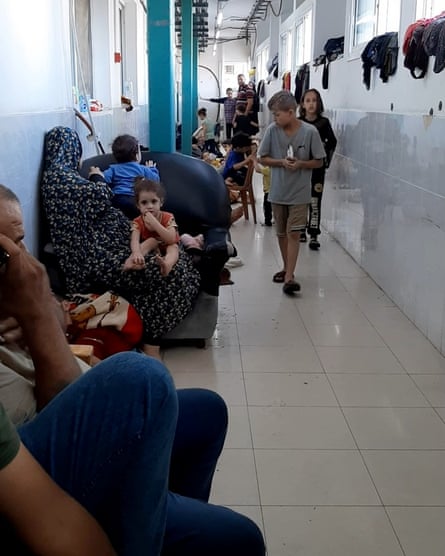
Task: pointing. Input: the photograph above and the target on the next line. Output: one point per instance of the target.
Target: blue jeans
(109, 439)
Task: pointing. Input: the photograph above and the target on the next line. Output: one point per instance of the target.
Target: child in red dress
(154, 230)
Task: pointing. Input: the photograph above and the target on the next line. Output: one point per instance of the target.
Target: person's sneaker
(314, 244)
(303, 237)
(233, 262)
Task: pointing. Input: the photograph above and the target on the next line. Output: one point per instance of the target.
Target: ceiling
(239, 17)
(235, 13)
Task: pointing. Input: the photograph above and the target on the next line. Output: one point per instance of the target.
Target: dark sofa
(198, 198)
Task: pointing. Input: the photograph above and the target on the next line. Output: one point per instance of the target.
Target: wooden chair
(247, 196)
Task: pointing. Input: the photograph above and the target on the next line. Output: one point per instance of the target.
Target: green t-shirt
(9, 439)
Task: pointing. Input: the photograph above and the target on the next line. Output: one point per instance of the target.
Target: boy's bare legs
(170, 258)
(289, 246)
(292, 250)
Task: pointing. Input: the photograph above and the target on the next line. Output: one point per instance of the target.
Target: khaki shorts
(289, 218)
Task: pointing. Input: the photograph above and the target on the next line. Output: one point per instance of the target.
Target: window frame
(262, 58)
(380, 24)
(305, 21)
(426, 9)
(81, 51)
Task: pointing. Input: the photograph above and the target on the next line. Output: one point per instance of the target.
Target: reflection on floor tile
(336, 407)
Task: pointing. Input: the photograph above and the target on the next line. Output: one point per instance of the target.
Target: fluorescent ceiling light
(217, 34)
(219, 18)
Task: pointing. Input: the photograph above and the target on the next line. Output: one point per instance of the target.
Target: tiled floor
(336, 444)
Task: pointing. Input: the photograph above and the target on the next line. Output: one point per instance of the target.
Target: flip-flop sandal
(278, 277)
(291, 287)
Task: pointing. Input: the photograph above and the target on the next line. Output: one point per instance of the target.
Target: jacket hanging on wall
(415, 56)
(301, 81)
(333, 48)
(380, 52)
(433, 40)
(286, 81)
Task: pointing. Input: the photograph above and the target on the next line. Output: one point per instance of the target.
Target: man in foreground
(92, 470)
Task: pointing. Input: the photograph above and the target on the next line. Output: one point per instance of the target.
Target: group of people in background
(240, 112)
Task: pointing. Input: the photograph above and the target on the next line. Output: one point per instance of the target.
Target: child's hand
(291, 164)
(138, 258)
(150, 164)
(95, 170)
(149, 220)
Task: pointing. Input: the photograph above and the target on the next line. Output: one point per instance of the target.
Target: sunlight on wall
(44, 56)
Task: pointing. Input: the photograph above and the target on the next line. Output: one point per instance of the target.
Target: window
(286, 51)
(261, 67)
(303, 39)
(229, 74)
(82, 61)
(374, 17)
(429, 8)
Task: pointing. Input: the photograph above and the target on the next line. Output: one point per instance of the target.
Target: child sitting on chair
(235, 168)
(154, 230)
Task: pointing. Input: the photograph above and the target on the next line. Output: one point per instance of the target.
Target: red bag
(107, 322)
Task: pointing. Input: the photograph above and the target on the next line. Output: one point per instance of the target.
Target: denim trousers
(140, 457)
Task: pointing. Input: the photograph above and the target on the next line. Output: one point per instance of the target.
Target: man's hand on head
(10, 331)
(24, 285)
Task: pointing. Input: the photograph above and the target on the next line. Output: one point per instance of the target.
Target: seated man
(90, 473)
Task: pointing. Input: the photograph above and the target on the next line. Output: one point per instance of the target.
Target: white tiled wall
(385, 203)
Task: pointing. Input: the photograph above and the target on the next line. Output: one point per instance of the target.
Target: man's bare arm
(46, 519)
(25, 294)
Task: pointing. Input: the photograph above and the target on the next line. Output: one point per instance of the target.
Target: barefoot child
(153, 230)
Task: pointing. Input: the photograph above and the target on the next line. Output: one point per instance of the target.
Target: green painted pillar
(188, 117)
(161, 75)
(195, 76)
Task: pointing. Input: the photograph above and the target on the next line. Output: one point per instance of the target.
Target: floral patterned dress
(91, 239)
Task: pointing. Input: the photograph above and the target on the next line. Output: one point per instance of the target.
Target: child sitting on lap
(154, 230)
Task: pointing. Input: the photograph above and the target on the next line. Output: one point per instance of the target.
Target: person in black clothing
(311, 110)
(244, 123)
